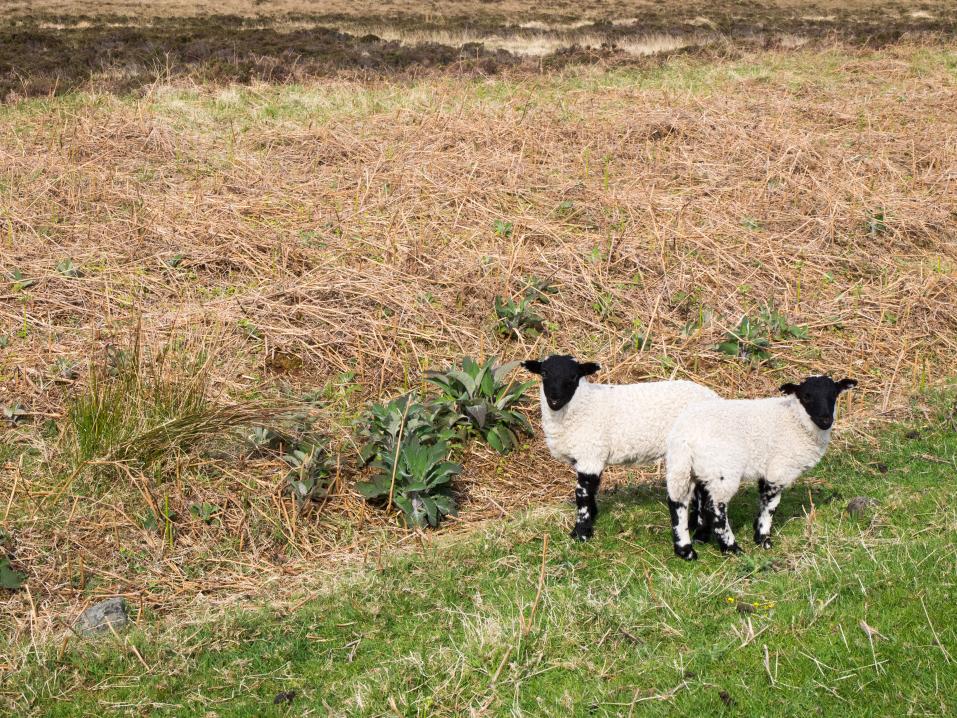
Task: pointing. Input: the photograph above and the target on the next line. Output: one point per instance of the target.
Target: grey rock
(860, 504)
(101, 616)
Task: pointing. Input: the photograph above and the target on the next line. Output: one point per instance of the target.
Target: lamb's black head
(560, 375)
(818, 395)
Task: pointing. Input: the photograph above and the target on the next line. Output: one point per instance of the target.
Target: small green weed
(751, 340)
(19, 282)
(15, 413)
(311, 470)
(204, 512)
(516, 318)
(640, 338)
(502, 228)
(604, 305)
(68, 269)
(876, 224)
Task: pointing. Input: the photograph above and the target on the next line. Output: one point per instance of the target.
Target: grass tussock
(134, 410)
(138, 410)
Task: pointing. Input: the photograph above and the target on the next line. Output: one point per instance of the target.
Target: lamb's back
(638, 417)
(734, 434)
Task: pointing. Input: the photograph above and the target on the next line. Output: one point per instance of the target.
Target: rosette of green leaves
(751, 340)
(418, 479)
(483, 396)
(311, 471)
(517, 318)
(382, 423)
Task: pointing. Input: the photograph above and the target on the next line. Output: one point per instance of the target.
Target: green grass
(620, 627)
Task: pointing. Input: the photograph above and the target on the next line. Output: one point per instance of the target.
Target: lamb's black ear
(588, 368)
(533, 366)
(789, 388)
(845, 384)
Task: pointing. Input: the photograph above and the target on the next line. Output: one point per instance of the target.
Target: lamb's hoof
(582, 533)
(763, 541)
(733, 549)
(701, 535)
(686, 552)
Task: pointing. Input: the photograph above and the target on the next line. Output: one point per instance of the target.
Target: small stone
(860, 504)
(881, 467)
(912, 434)
(103, 615)
(745, 607)
(726, 698)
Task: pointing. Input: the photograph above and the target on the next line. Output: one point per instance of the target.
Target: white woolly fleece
(720, 443)
(606, 424)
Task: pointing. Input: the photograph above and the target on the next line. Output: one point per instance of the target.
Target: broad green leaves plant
(408, 440)
(482, 395)
(204, 512)
(381, 425)
(9, 578)
(539, 290)
(748, 342)
(261, 439)
(417, 478)
(68, 269)
(779, 327)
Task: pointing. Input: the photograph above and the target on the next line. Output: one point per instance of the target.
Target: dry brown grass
(565, 11)
(352, 225)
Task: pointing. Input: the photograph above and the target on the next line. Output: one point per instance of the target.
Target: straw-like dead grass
(336, 239)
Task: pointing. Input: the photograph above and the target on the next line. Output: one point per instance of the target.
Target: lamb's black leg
(679, 529)
(722, 529)
(705, 515)
(694, 509)
(768, 499)
(585, 494)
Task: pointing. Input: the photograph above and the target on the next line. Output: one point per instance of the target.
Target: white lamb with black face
(591, 426)
(715, 445)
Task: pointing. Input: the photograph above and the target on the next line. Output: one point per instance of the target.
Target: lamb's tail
(678, 471)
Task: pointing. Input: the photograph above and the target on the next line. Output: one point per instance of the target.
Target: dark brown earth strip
(42, 55)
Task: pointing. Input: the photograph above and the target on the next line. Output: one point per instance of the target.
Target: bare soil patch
(55, 47)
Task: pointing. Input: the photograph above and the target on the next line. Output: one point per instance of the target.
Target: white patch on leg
(722, 527)
(764, 520)
(726, 535)
(682, 535)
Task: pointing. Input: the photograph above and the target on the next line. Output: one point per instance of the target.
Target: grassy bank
(846, 614)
